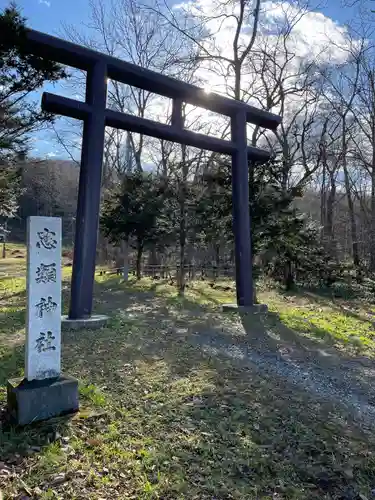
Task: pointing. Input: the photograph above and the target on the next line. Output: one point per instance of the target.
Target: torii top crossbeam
(96, 116)
(83, 58)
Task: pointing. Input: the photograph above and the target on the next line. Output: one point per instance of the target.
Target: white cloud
(293, 38)
(314, 38)
(45, 2)
(313, 34)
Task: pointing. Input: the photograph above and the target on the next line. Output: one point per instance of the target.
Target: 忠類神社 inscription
(43, 329)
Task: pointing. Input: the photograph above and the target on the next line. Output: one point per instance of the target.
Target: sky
(50, 15)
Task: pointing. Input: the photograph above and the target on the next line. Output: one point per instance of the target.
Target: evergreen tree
(21, 74)
(135, 212)
(284, 241)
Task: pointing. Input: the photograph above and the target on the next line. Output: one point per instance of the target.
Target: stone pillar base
(254, 309)
(92, 323)
(31, 401)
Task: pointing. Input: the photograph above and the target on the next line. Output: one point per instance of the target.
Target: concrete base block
(92, 323)
(254, 309)
(31, 401)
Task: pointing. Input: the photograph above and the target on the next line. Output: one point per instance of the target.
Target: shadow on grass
(358, 309)
(199, 426)
(19, 443)
(266, 336)
(183, 423)
(114, 294)
(11, 363)
(327, 296)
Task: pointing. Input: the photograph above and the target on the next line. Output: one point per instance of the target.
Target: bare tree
(341, 93)
(293, 88)
(201, 29)
(123, 29)
(363, 134)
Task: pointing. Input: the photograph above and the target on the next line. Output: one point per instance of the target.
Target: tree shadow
(120, 295)
(317, 358)
(324, 296)
(190, 422)
(18, 443)
(217, 428)
(294, 356)
(12, 328)
(20, 294)
(350, 307)
(11, 363)
(262, 434)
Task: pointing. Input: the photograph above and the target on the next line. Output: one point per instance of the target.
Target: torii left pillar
(87, 220)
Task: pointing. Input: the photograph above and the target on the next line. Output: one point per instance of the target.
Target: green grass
(161, 418)
(332, 325)
(346, 325)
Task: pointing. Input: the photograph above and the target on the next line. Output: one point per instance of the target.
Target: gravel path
(347, 383)
(269, 347)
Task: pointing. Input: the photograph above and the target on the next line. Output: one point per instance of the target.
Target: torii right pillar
(241, 220)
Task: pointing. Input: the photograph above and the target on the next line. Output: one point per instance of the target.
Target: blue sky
(49, 15)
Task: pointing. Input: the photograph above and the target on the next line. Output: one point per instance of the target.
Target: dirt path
(349, 384)
(262, 342)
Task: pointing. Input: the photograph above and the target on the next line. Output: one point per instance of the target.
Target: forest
(312, 206)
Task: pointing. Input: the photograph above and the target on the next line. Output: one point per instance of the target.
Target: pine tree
(21, 74)
(284, 241)
(135, 211)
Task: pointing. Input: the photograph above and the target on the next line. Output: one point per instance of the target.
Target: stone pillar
(44, 392)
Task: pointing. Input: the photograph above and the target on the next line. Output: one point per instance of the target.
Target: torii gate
(96, 117)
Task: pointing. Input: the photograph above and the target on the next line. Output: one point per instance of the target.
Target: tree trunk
(330, 202)
(125, 253)
(353, 224)
(181, 270)
(288, 275)
(323, 196)
(372, 230)
(139, 260)
(5, 237)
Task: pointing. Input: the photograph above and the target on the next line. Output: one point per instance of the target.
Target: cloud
(290, 41)
(292, 37)
(45, 2)
(314, 36)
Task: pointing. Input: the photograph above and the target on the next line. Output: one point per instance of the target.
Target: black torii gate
(96, 117)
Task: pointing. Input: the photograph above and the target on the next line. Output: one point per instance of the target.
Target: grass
(161, 418)
(346, 325)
